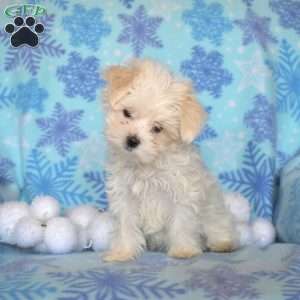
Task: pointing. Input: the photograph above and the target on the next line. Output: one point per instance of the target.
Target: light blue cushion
(251, 273)
(287, 214)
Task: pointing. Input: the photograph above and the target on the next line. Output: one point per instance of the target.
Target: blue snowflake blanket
(244, 275)
(243, 57)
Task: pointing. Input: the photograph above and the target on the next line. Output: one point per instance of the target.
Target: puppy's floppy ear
(118, 80)
(193, 118)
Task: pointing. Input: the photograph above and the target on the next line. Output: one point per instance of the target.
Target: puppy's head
(148, 110)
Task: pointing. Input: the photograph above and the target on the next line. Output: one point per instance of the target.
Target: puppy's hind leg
(219, 227)
(183, 233)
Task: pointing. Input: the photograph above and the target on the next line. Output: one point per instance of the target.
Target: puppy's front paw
(184, 252)
(221, 245)
(118, 256)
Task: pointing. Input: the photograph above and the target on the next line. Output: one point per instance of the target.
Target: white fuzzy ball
(28, 232)
(100, 231)
(245, 234)
(238, 206)
(82, 215)
(60, 236)
(45, 208)
(263, 232)
(10, 214)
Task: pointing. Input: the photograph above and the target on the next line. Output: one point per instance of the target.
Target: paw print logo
(24, 33)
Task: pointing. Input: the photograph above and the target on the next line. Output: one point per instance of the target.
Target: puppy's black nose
(132, 141)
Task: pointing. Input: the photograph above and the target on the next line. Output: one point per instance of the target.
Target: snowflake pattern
(86, 26)
(248, 2)
(152, 276)
(6, 167)
(262, 119)
(256, 29)
(255, 180)
(254, 73)
(28, 57)
(127, 3)
(13, 287)
(97, 181)
(63, 4)
(206, 72)
(30, 96)
(282, 159)
(109, 284)
(43, 177)
(223, 283)
(286, 73)
(61, 129)
(7, 97)
(140, 30)
(289, 13)
(207, 21)
(80, 76)
(290, 278)
(16, 280)
(25, 97)
(207, 132)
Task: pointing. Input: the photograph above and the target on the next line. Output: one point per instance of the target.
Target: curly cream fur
(162, 196)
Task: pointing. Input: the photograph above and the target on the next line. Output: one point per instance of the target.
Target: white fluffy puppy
(160, 193)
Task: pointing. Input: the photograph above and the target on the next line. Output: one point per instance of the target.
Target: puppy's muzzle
(132, 141)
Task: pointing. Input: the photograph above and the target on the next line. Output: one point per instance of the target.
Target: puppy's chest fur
(155, 190)
(154, 193)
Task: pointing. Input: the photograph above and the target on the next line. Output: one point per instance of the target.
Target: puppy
(160, 193)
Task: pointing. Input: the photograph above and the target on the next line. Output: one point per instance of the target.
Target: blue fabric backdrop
(242, 56)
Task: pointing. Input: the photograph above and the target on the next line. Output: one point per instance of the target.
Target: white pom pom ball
(263, 232)
(245, 234)
(82, 215)
(238, 206)
(28, 232)
(60, 236)
(100, 231)
(10, 214)
(45, 208)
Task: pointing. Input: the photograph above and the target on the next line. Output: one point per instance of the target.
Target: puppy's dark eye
(127, 113)
(157, 129)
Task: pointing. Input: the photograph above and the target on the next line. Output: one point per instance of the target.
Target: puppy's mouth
(128, 149)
